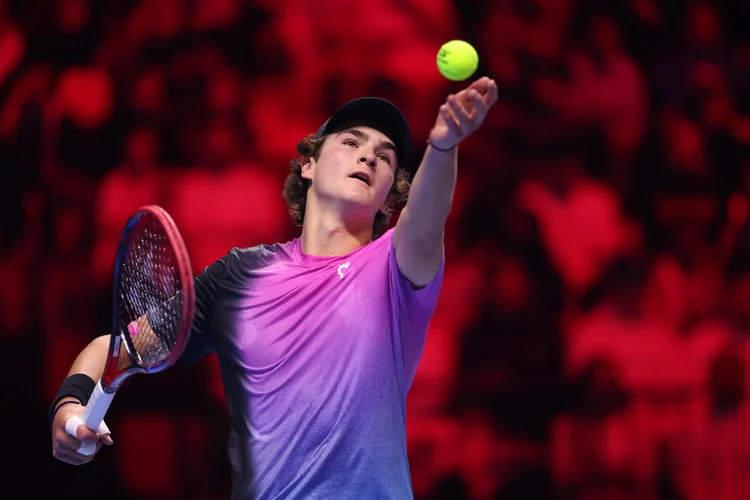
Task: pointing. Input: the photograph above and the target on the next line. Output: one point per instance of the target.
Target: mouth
(361, 176)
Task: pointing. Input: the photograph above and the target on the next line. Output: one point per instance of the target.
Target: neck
(328, 235)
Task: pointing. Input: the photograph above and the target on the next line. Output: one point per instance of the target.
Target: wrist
(68, 398)
(78, 387)
(56, 408)
(441, 149)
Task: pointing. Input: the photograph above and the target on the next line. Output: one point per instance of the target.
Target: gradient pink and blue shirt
(317, 355)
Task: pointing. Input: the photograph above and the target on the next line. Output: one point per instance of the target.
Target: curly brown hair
(295, 187)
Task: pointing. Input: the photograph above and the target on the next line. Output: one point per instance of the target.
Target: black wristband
(78, 385)
(55, 409)
(441, 150)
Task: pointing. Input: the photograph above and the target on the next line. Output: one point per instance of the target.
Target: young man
(319, 338)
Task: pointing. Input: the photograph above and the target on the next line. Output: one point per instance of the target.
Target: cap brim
(382, 114)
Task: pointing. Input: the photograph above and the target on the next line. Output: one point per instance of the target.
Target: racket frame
(113, 376)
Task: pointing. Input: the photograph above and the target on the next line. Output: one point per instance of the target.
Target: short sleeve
(414, 310)
(206, 286)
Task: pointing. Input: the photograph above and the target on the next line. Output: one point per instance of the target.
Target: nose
(369, 160)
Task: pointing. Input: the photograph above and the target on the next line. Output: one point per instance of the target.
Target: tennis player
(319, 338)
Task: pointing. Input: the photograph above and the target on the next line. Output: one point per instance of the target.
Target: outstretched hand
(463, 113)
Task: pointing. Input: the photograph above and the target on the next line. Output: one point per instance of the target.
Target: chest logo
(341, 269)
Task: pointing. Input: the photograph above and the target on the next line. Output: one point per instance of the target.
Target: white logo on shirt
(341, 269)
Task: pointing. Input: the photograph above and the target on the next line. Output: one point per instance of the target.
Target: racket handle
(97, 407)
(93, 418)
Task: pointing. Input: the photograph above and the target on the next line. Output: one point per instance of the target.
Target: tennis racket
(154, 302)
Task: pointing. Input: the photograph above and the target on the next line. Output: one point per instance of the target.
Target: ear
(307, 168)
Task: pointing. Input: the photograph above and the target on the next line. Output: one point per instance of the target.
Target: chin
(359, 200)
(357, 209)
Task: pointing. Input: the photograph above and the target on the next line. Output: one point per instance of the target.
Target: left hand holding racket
(67, 445)
(153, 305)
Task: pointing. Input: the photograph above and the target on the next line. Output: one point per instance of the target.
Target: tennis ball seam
(457, 60)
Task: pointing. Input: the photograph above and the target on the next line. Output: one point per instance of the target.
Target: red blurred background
(591, 339)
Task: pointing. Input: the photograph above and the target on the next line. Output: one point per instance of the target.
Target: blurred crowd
(591, 339)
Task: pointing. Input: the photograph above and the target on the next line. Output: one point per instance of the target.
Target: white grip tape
(87, 447)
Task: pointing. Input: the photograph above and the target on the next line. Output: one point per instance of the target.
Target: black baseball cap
(381, 114)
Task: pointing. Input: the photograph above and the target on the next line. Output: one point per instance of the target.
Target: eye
(349, 142)
(385, 158)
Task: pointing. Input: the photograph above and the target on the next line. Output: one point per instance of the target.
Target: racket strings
(149, 293)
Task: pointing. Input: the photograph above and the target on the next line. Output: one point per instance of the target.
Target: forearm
(431, 195)
(90, 361)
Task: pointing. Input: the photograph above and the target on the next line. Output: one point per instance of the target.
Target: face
(353, 173)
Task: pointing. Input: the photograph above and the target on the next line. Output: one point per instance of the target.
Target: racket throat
(121, 363)
(117, 368)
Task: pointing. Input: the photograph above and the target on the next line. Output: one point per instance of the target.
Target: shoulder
(259, 256)
(258, 253)
(244, 260)
(383, 242)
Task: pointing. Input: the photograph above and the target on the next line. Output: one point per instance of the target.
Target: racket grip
(97, 407)
(93, 418)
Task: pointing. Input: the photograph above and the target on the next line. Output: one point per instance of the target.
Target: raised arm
(418, 236)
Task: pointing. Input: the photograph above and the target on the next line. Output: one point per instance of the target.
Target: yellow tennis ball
(457, 60)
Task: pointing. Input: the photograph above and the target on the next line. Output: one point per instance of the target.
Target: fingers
(464, 112)
(485, 86)
(481, 84)
(72, 456)
(76, 444)
(458, 109)
(89, 440)
(468, 110)
(67, 449)
(450, 120)
(74, 426)
(88, 448)
(480, 107)
(103, 429)
(476, 100)
(492, 94)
